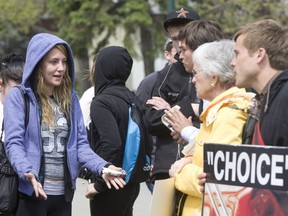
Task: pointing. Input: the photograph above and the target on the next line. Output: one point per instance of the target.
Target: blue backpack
(137, 149)
(137, 153)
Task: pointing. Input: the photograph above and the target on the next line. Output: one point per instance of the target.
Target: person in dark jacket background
(109, 115)
(144, 92)
(173, 84)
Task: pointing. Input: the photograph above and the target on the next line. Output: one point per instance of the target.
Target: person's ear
(215, 79)
(261, 54)
(167, 55)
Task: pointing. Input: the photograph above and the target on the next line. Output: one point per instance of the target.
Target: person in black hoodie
(109, 116)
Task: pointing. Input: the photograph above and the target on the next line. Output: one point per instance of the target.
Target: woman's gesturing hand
(117, 181)
(158, 103)
(177, 120)
(36, 185)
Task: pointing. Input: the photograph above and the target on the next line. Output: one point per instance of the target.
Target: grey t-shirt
(54, 139)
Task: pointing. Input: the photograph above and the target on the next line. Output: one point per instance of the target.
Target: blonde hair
(267, 34)
(62, 94)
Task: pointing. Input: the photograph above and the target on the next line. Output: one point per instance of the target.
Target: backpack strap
(2, 130)
(248, 130)
(257, 136)
(128, 101)
(27, 105)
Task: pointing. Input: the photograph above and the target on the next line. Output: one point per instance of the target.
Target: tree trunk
(82, 74)
(147, 47)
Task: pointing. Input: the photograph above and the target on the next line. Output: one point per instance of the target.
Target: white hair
(214, 60)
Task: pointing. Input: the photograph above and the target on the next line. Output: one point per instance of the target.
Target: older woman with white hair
(222, 120)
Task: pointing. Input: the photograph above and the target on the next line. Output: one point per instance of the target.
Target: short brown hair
(199, 32)
(269, 35)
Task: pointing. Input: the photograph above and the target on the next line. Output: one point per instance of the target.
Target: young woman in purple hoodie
(46, 154)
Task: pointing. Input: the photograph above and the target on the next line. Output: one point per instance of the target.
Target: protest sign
(245, 180)
(163, 198)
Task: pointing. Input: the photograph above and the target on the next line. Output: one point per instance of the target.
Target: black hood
(113, 67)
(278, 83)
(275, 87)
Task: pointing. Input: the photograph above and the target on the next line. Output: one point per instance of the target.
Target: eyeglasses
(196, 73)
(175, 39)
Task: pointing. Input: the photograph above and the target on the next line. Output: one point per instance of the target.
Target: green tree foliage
(231, 14)
(81, 21)
(17, 17)
(85, 19)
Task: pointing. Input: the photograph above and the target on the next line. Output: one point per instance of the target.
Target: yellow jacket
(223, 122)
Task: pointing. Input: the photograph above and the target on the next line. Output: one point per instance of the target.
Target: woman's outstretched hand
(36, 185)
(117, 181)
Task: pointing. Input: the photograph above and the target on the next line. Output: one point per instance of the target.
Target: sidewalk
(80, 205)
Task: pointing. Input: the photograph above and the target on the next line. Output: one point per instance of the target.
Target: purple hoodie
(24, 148)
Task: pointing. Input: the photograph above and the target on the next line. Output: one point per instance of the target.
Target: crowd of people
(207, 76)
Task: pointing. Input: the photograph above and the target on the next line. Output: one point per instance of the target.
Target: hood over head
(113, 67)
(38, 47)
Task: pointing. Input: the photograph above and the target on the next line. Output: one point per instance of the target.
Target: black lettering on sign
(247, 165)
